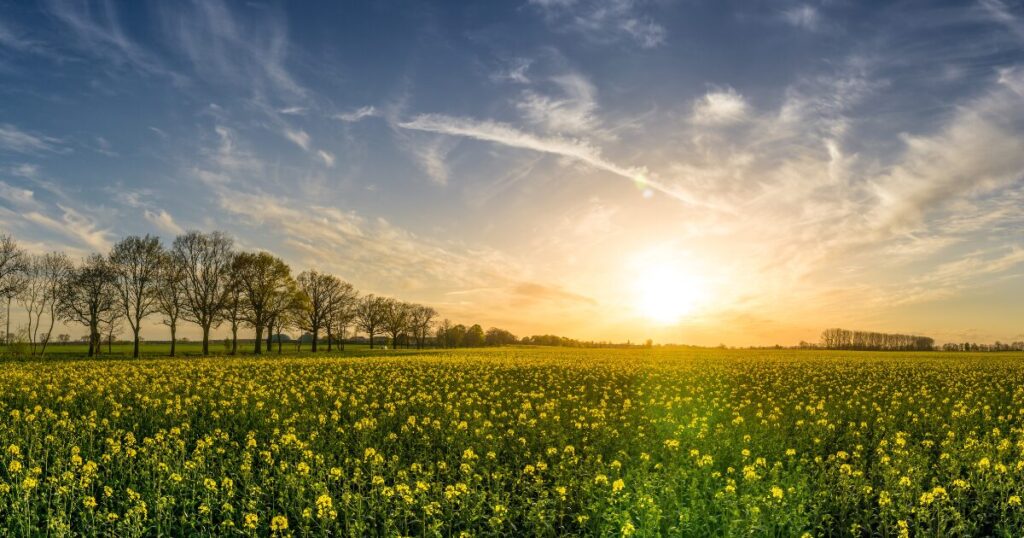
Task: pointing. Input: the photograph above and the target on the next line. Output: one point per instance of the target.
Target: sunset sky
(741, 172)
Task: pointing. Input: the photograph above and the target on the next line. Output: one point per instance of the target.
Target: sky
(705, 172)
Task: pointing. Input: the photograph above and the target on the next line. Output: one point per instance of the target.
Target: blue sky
(526, 164)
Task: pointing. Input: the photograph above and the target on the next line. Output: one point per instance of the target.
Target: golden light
(665, 293)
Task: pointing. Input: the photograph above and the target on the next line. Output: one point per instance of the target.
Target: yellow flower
(777, 492)
(279, 523)
(251, 520)
(1014, 500)
(618, 485)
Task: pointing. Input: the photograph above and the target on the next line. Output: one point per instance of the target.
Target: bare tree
(321, 291)
(340, 312)
(396, 319)
(262, 279)
(234, 311)
(370, 313)
(170, 294)
(43, 279)
(136, 264)
(285, 309)
(444, 330)
(110, 327)
(206, 260)
(88, 296)
(421, 318)
(13, 263)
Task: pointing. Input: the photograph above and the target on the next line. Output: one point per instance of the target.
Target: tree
(444, 332)
(88, 296)
(13, 263)
(170, 294)
(320, 290)
(136, 264)
(110, 326)
(499, 337)
(263, 280)
(285, 309)
(39, 295)
(370, 313)
(396, 319)
(206, 260)
(422, 317)
(474, 337)
(341, 312)
(234, 312)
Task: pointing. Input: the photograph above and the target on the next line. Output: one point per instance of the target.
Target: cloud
(250, 55)
(26, 170)
(98, 32)
(74, 225)
(582, 152)
(1002, 13)
(720, 107)
(604, 20)
(163, 221)
(294, 110)
(357, 114)
(803, 16)
(16, 140)
(326, 157)
(978, 150)
(431, 155)
(17, 196)
(516, 72)
(573, 112)
(299, 137)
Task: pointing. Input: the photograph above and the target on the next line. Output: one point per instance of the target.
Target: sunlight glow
(665, 293)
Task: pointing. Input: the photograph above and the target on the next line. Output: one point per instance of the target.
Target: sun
(665, 293)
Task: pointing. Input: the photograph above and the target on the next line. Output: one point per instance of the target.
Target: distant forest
(876, 341)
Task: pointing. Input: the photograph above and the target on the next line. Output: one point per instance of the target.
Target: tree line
(874, 341)
(199, 278)
(974, 346)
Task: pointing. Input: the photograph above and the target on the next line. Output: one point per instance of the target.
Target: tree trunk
(259, 339)
(270, 337)
(135, 348)
(370, 332)
(206, 340)
(330, 338)
(316, 333)
(234, 338)
(278, 344)
(174, 329)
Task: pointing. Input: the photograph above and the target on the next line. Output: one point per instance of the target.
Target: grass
(516, 441)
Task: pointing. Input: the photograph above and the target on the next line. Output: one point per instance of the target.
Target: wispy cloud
(1003, 14)
(74, 225)
(358, 114)
(604, 20)
(571, 112)
(250, 55)
(720, 107)
(326, 157)
(577, 150)
(97, 30)
(17, 140)
(803, 16)
(163, 221)
(299, 137)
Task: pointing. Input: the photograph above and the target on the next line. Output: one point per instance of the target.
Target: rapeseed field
(517, 441)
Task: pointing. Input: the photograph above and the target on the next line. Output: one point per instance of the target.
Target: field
(517, 441)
